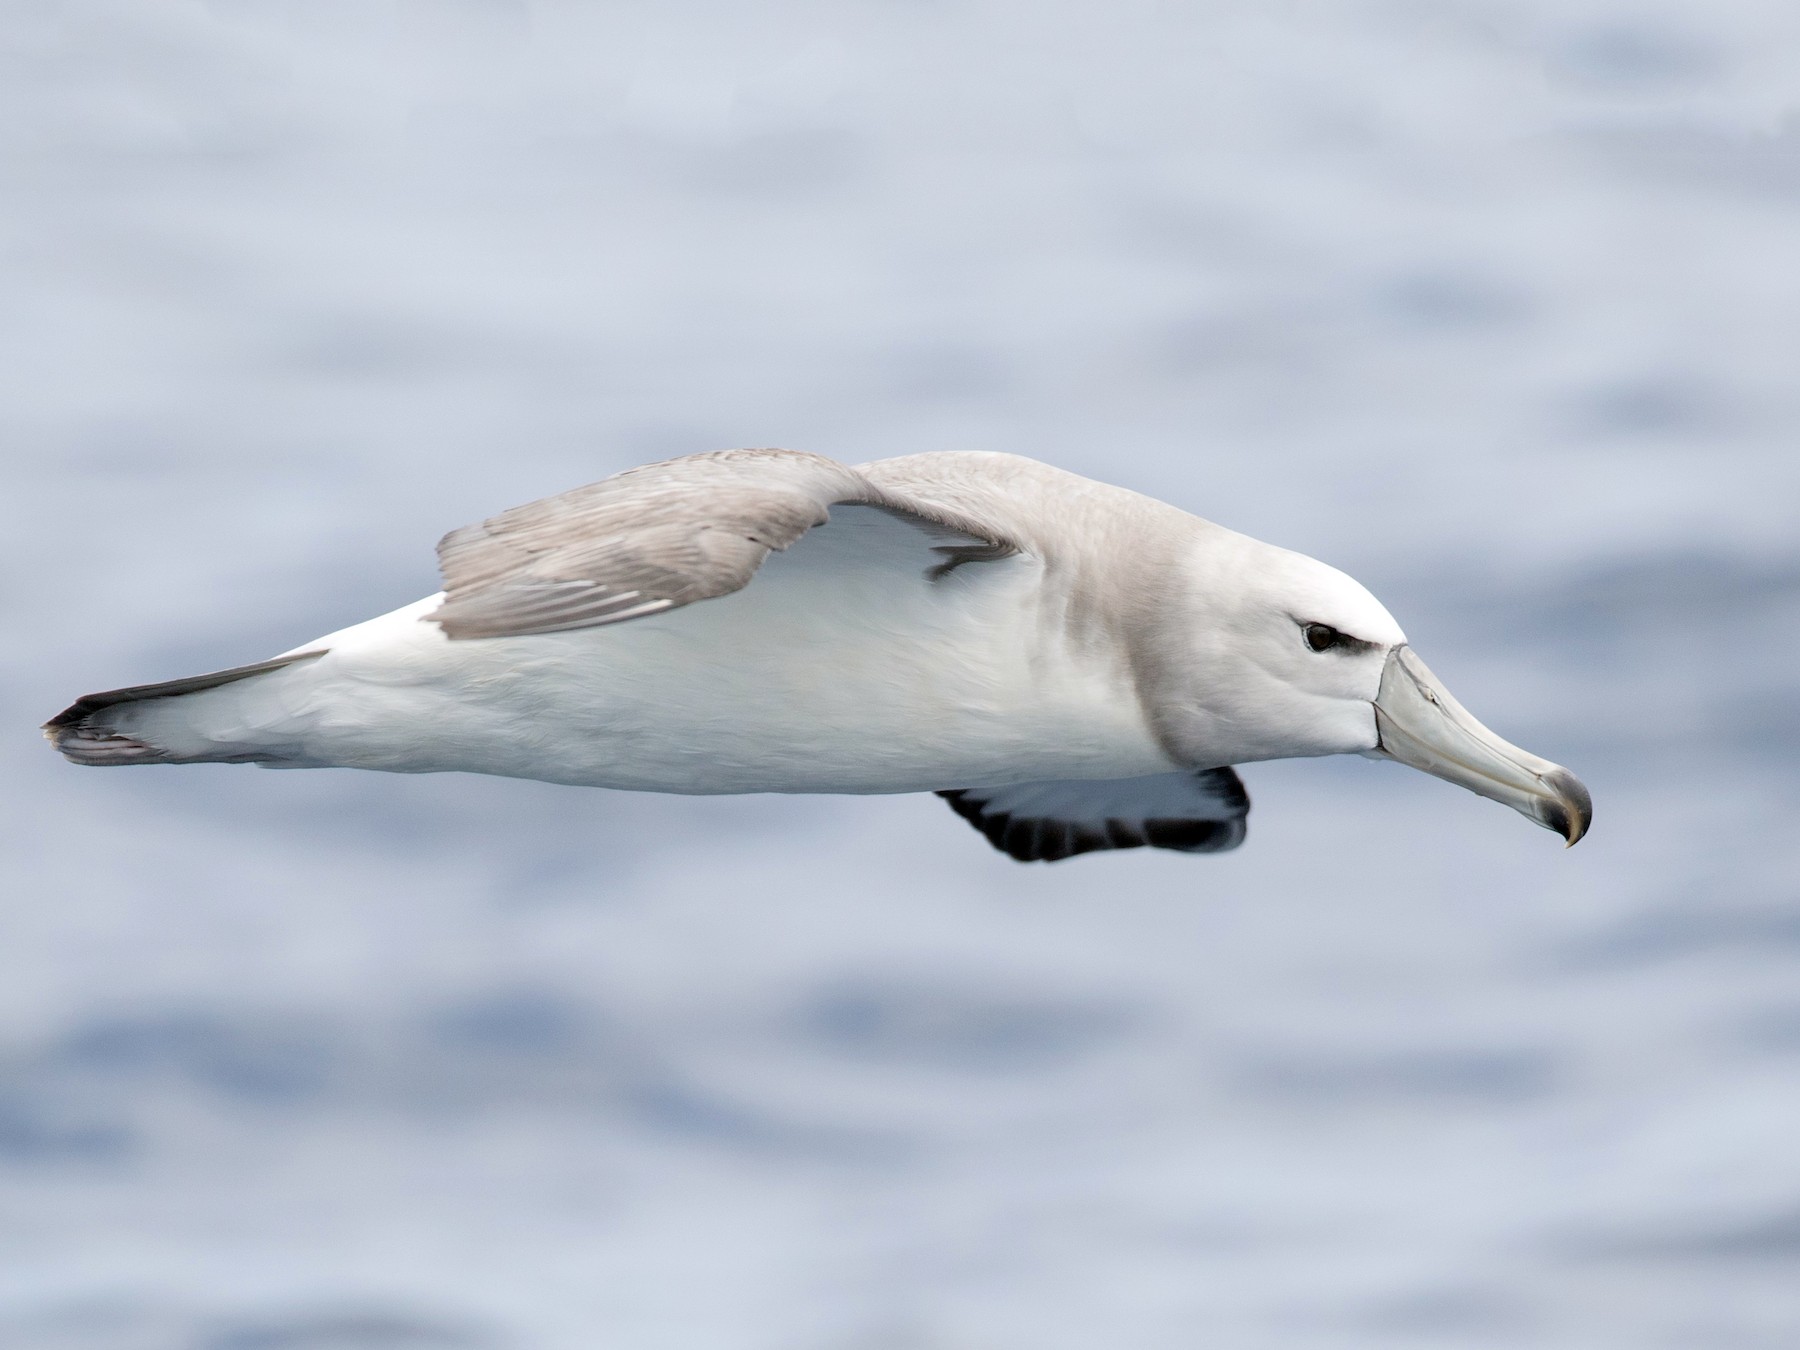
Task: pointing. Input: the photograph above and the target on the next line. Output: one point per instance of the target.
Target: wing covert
(658, 537)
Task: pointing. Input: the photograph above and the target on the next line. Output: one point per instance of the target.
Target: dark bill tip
(1571, 811)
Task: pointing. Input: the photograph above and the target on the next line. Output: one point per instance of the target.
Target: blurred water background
(1493, 303)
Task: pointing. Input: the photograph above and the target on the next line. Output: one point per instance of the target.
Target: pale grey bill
(1421, 725)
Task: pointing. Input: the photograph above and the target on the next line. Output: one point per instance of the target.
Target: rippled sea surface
(1491, 304)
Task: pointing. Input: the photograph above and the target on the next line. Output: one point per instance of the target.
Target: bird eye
(1322, 637)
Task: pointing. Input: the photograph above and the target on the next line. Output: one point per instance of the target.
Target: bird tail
(161, 723)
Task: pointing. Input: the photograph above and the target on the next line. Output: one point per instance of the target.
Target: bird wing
(665, 535)
(1044, 822)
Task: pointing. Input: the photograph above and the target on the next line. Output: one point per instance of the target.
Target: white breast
(823, 675)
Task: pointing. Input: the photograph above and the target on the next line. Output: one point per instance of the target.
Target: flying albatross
(1072, 666)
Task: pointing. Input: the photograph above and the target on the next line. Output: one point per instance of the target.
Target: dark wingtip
(84, 738)
(74, 715)
(1571, 811)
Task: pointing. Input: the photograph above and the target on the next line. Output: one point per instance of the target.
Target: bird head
(1294, 658)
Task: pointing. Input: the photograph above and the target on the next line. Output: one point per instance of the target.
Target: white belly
(806, 681)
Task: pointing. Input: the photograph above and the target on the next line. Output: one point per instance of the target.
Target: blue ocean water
(1490, 304)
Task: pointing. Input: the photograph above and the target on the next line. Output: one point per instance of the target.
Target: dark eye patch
(1322, 637)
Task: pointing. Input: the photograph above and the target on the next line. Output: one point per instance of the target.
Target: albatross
(1074, 667)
